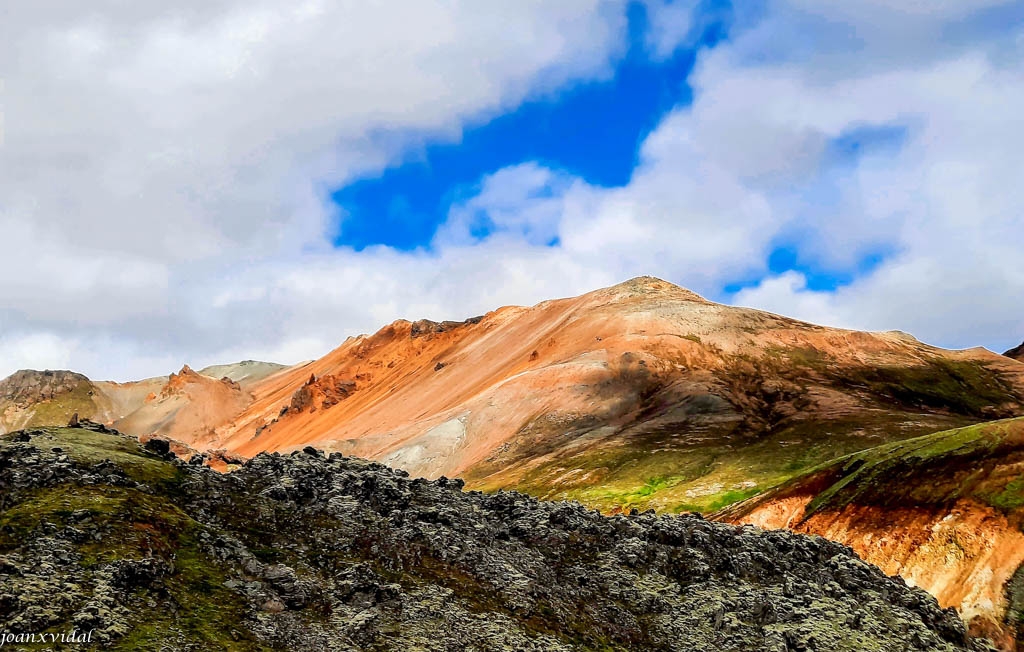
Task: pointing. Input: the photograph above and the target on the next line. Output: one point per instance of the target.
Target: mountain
(247, 371)
(640, 395)
(186, 408)
(44, 398)
(944, 511)
(307, 552)
(1017, 352)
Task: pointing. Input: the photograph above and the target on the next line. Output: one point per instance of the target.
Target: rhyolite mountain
(315, 552)
(944, 511)
(30, 398)
(48, 398)
(639, 395)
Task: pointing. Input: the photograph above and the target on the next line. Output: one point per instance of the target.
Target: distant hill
(31, 398)
(186, 408)
(247, 371)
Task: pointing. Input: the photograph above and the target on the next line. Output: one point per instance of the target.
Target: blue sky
(592, 130)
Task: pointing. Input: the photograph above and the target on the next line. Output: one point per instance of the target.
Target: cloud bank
(165, 173)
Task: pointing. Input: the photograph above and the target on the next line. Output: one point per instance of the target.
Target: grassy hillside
(909, 504)
(979, 461)
(762, 424)
(31, 399)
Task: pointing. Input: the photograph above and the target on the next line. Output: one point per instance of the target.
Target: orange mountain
(186, 408)
(639, 395)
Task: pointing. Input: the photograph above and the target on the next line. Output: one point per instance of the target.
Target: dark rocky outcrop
(319, 552)
(1017, 352)
(423, 327)
(320, 393)
(27, 387)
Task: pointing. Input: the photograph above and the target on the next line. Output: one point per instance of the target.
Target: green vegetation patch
(961, 387)
(933, 470)
(193, 607)
(87, 447)
(193, 603)
(685, 468)
(58, 410)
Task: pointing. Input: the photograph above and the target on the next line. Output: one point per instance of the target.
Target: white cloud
(164, 170)
(154, 154)
(753, 162)
(670, 23)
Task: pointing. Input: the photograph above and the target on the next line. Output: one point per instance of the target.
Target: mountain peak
(48, 381)
(654, 286)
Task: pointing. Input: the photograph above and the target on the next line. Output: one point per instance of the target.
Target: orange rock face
(186, 408)
(964, 556)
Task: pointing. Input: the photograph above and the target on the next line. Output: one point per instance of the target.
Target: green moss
(57, 411)
(194, 606)
(135, 525)
(667, 470)
(967, 388)
(1010, 498)
(935, 469)
(209, 615)
(86, 447)
(55, 505)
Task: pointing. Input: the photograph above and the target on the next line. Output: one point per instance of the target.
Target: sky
(223, 180)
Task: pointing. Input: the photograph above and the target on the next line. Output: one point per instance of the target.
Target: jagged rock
(320, 393)
(310, 552)
(159, 446)
(426, 327)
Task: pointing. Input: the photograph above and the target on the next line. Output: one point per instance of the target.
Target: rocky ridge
(316, 552)
(1017, 352)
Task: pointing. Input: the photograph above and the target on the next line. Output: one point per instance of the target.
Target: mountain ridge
(1017, 352)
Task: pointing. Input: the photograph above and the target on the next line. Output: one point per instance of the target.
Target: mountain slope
(944, 511)
(35, 398)
(314, 553)
(643, 394)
